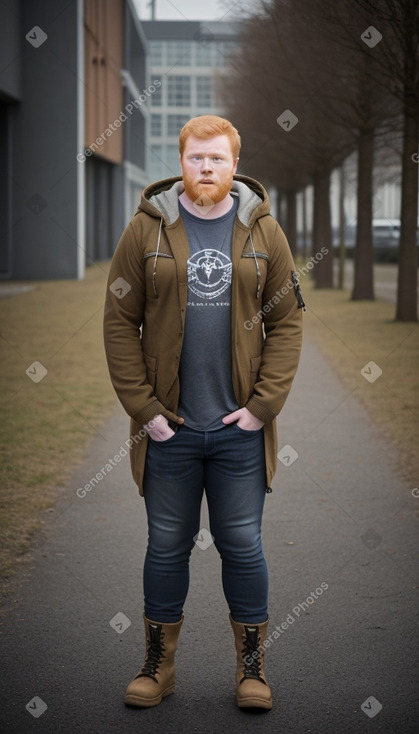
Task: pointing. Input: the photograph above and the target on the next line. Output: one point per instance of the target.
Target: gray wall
(10, 43)
(10, 93)
(45, 131)
(39, 181)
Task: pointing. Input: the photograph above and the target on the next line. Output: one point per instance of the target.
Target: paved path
(340, 525)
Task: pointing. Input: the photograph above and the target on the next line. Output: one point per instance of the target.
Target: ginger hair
(208, 126)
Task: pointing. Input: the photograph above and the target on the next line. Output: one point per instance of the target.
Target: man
(203, 336)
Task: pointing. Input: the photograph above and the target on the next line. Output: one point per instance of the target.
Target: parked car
(386, 236)
(385, 233)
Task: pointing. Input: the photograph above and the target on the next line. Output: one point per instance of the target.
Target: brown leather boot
(251, 686)
(156, 678)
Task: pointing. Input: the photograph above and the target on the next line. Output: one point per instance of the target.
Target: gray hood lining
(167, 202)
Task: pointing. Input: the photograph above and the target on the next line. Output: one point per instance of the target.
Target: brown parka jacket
(145, 311)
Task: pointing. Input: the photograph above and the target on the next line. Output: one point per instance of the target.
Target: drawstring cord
(155, 259)
(257, 265)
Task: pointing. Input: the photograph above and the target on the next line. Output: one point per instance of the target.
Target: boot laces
(252, 655)
(154, 654)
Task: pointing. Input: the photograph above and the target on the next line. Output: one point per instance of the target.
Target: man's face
(208, 167)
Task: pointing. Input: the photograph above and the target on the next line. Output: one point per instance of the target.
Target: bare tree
(290, 136)
(386, 34)
(340, 75)
(363, 106)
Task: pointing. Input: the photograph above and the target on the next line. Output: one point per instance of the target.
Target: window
(219, 90)
(175, 123)
(204, 54)
(178, 53)
(156, 125)
(172, 160)
(156, 164)
(203, 91)
(156, 98)
(179, 91)
(223, 51)
(164, 161)
(156, 53)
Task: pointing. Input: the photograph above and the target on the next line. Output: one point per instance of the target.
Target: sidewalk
(340, 539)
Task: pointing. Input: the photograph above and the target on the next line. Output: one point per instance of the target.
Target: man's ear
(236, 162)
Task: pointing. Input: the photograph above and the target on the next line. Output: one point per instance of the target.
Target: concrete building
(74, 101)
(189, 59)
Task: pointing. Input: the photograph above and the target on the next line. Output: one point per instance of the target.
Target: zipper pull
(297, 289)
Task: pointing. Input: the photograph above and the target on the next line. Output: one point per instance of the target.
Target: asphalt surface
(340, 533)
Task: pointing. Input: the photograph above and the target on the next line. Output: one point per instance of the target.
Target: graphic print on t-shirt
(209, 273)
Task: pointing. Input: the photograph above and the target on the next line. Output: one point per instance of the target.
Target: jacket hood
(161, 199)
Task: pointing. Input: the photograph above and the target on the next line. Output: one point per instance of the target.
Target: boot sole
(259, 703)
(132, 700)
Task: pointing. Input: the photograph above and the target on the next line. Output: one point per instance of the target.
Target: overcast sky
(189, 9)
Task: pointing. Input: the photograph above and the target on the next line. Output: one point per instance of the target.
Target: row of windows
(174, 123)
(190, 53)
(163, 161)
(179, 91)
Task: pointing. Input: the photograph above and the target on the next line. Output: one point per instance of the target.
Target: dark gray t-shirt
(206, 389)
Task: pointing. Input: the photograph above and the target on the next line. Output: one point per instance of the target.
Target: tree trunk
(407, 281)
(279, 206)
(342, 253)
(305, 229)
(322, 229)
(292, 220)
(363, 289)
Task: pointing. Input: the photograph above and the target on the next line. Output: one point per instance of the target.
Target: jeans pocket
(162, 443)
(167, 440)
(245, 430)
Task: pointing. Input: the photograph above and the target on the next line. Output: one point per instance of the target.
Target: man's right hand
(158, 429)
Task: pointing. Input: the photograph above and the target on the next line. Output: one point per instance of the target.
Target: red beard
(216, 192)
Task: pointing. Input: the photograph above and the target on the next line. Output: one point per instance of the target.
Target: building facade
(73, 121)
(91, 105)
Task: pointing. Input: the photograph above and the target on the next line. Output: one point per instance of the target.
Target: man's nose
(206, 164)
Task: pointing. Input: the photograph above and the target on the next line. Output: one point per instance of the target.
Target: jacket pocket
(151, 367)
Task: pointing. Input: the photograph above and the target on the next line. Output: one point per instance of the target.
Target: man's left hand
(244, 419)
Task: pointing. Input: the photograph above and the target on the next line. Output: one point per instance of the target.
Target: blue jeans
(229, 464)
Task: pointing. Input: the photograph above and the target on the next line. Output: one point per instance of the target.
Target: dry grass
(353, 333)
(45, 426)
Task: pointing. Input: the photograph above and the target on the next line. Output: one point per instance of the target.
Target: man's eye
(216, 158)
